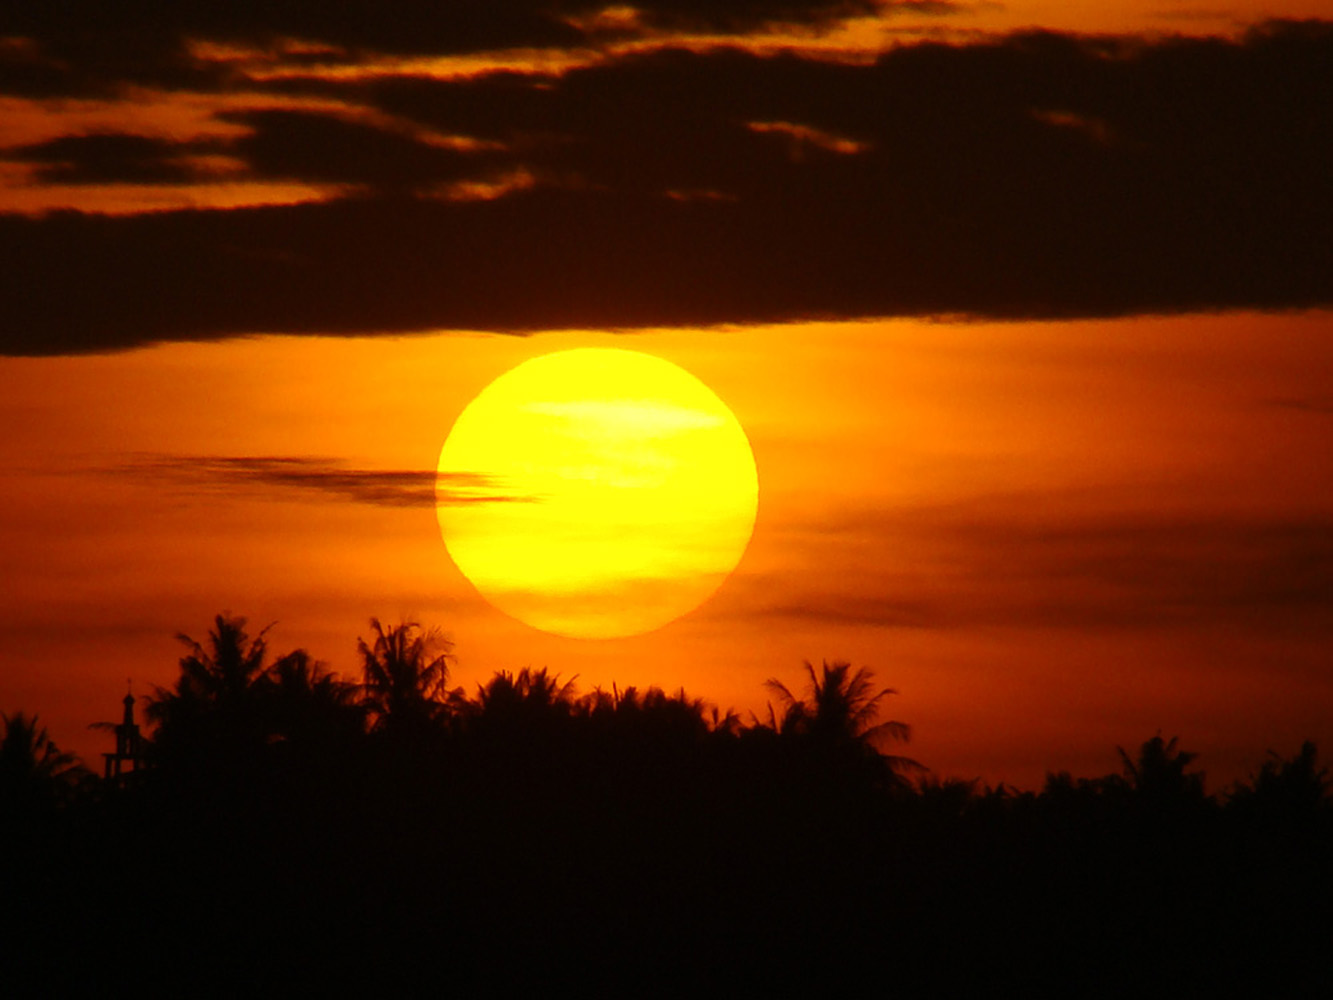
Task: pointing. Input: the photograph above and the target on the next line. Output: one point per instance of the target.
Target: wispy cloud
(314, 478)
(1305, 404)
(975, 567)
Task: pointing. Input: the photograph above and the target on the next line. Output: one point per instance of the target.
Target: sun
(596, 492)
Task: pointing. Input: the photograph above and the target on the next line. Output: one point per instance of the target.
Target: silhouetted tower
(129, 744)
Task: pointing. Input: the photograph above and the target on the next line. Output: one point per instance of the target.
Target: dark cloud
(969, 567)
(305, 146)
(746, 15)
(315, 478)
(88, 43)
(1036, 175)
(56, 50)
(140, 40)
(324, 148)
(106, 158)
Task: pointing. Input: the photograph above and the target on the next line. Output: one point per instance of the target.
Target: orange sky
(1051, 538)
(1030, 333)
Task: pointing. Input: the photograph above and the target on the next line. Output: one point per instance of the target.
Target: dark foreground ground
(660, 864)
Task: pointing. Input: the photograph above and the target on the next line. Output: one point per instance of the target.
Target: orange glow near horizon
(1050, 538)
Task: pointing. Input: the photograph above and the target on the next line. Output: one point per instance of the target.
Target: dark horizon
(786, 706)
(299, 833)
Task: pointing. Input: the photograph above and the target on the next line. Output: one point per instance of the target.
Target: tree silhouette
(268, 781)
(308, 705)
(228, 669)
(838, 715)
(405, 674)
(1157, 777)
(526, 698)
(840, 706)
(212, 710)
(654, 714)
(34, 772)
(229, 704)
(1291, 791)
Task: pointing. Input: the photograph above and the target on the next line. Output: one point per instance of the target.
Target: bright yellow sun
(596, 492)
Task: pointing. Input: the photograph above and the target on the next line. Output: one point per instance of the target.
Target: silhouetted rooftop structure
(128, 755)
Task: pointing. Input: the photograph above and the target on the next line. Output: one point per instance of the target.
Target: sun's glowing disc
(596, 492)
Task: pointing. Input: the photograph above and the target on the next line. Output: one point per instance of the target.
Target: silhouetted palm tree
(841, 706)
(308, 704)
(219, 675)
(529, 694)
(1292, 791)
(839, 713)
(528, 716)
(229, 667)
(725, 723)
(1157, 777)
(654, 714)
(34, 772)
(405, 676)
(220, 710)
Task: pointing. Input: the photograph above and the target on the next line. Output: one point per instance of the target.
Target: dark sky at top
(1028, 175)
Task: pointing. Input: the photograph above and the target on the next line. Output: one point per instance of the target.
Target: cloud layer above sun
(190, 173)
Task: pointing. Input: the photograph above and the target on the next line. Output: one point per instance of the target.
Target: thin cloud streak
(312, 478)
(1316, 405)
(968, 567)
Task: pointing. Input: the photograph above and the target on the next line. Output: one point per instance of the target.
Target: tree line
(294, 824)
(232, 706)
